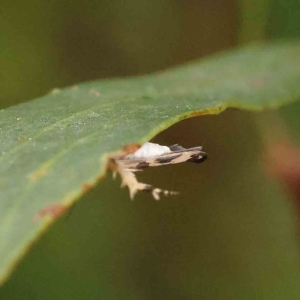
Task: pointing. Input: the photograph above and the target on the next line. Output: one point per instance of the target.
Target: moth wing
(179, 156)
(176, 147)
(194, 154)
(126, 166)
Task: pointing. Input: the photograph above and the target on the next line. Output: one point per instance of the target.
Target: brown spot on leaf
(202, 112)
(54, 211)
(95, 93)
(86, 187)
(2, 183)
(38, 174)
(258, 84)
(21, 138)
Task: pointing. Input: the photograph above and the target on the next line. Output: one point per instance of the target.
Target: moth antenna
(156, 193)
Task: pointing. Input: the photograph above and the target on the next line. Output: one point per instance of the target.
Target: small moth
(135, 159)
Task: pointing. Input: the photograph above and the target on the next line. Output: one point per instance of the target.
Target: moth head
(131, 148)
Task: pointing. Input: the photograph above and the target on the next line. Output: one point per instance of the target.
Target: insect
(135, 159)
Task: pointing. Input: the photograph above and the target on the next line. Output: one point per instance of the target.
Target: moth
(135, 159)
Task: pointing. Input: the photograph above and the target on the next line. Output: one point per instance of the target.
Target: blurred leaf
(283, 22)
(67, 42)
(253, 19)
(283, 19)
(54, 148)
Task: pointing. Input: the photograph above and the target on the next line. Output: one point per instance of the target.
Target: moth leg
(133, 170)
(156, 192)
(129, 179)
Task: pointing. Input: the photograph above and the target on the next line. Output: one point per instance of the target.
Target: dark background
(232, 231)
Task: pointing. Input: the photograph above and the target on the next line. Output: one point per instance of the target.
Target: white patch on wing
(149, 150)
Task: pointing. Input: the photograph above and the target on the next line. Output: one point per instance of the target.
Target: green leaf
(55, 148)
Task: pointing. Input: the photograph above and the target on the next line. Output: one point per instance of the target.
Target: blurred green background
(48, 44)
(232, 231)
